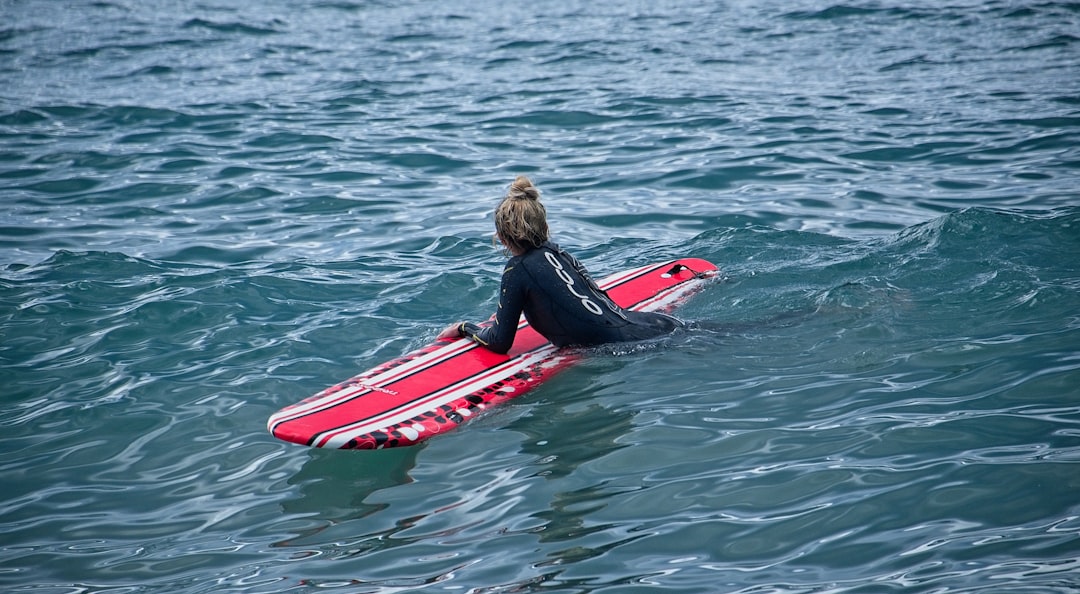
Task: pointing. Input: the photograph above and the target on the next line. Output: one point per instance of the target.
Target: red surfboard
(437, 387)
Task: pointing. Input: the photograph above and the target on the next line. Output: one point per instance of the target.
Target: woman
(553, 290)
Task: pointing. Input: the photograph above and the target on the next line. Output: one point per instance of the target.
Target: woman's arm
(499, 336)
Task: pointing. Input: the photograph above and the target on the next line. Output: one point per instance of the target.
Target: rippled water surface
(213, 209)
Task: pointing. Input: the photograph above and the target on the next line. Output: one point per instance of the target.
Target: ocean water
(212, 209)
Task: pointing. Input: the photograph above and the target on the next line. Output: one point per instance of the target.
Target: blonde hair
(520, 218)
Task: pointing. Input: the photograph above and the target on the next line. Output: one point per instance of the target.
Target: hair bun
(523, 189)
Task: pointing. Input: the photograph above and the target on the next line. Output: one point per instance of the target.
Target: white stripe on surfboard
(667, 297)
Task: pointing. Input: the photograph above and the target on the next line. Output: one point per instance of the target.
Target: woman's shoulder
(538, 253)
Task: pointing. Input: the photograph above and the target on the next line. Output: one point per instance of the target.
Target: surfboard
(439, 386)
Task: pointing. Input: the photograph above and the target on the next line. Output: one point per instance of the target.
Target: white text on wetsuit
(566, 278)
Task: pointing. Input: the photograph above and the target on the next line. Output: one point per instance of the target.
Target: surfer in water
(554, 291)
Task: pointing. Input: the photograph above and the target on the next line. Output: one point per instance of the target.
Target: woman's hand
(452, 332)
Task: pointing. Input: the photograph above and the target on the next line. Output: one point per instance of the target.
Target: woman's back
(562, 302)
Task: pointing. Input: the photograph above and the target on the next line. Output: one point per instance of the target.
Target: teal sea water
(210, 210)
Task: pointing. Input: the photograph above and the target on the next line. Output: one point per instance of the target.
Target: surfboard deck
(437, 387)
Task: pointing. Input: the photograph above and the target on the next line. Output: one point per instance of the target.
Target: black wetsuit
(563, 304)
